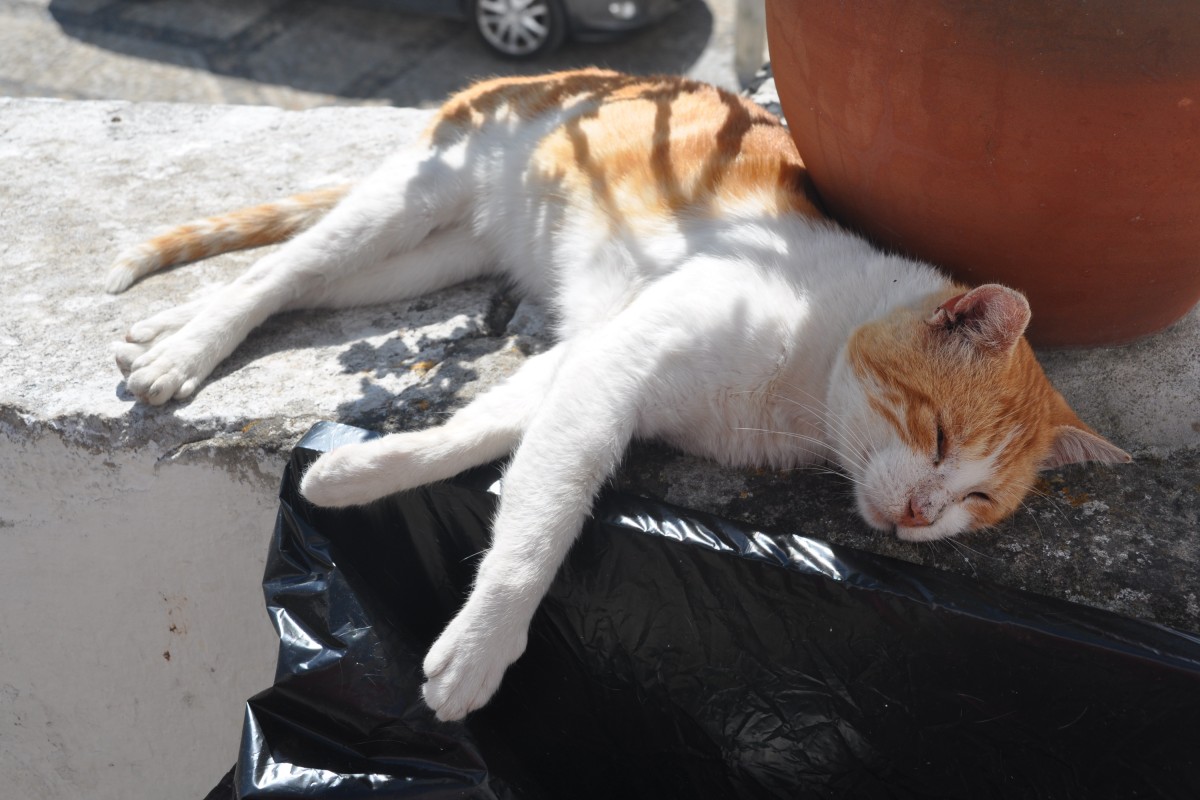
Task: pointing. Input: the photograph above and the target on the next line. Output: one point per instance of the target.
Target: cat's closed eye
(981, 496)
(940, 452)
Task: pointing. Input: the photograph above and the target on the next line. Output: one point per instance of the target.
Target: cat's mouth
(939, 528)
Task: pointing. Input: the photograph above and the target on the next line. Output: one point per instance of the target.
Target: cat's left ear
(1074, 445)
(991, 317)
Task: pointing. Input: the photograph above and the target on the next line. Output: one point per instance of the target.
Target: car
(526, 29)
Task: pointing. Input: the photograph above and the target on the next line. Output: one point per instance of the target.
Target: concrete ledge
(133, 538)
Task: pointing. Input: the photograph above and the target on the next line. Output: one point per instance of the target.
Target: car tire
(519, 29)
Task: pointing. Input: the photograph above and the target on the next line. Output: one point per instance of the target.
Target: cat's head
(944, 416)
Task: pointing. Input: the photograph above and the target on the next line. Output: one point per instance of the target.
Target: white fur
(723, 337)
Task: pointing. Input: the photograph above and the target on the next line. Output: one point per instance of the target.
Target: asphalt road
(303, 53)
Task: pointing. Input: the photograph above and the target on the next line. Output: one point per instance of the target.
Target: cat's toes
(163, 323)
(330, 483)
(126, 353)
(148, 330)
(464, 667)
(159, 375)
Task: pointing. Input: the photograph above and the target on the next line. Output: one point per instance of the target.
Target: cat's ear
(991, 317)
(1073, 445)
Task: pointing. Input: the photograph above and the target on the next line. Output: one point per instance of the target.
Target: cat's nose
(913, 516)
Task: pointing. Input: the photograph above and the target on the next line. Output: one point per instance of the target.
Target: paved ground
(302, 53)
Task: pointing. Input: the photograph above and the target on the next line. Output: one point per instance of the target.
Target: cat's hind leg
(486, 429)
(392, 212)
(446, 257)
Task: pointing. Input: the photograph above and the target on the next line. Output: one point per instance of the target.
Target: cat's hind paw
(160, 373)
(151, 373)
(164, 323)
(125, 354)
(464, 667)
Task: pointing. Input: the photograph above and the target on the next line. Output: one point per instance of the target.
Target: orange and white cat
(699, 296)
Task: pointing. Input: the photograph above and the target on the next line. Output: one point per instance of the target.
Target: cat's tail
(256, 226)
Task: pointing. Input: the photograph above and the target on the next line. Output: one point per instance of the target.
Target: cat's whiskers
(849, 447)
(1053, 502)
(957, 547)
(1033, 516)
(805, 438)
(832, 418)
(829, 419)
(474, 555)
(827, 470)
(963, 546)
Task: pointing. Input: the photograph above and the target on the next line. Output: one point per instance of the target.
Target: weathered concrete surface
(133, 539)
(129, 533)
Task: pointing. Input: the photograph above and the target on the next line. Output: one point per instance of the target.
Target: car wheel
(520, 28)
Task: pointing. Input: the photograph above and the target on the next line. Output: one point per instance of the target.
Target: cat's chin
(926, 533)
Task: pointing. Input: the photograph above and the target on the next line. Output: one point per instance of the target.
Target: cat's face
(946, 417)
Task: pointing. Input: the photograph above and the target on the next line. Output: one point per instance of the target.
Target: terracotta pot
(1050, 145)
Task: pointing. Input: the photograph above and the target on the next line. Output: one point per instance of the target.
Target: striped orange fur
(255, 226)
(708, 149)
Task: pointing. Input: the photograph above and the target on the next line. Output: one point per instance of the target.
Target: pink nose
(913, 516)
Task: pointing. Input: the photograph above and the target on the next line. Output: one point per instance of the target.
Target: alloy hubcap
(516, 27)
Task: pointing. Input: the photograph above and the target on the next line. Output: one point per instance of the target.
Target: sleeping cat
(700, 297)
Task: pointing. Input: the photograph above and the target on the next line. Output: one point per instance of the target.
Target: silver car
(531, 28)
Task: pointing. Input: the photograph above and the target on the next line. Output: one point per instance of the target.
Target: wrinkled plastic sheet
(681, 655)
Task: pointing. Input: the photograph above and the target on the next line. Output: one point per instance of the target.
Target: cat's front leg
(532, 533)
(573, 443)
(484, 430)
(464, 667)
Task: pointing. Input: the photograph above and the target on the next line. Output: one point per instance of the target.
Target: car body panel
(587, 20)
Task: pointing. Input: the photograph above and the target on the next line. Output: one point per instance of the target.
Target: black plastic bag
(680, 655)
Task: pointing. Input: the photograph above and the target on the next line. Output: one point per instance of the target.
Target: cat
(700, 297)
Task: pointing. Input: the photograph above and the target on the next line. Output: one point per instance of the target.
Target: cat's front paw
(464, 667)
(356, 474)
(347, 476)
